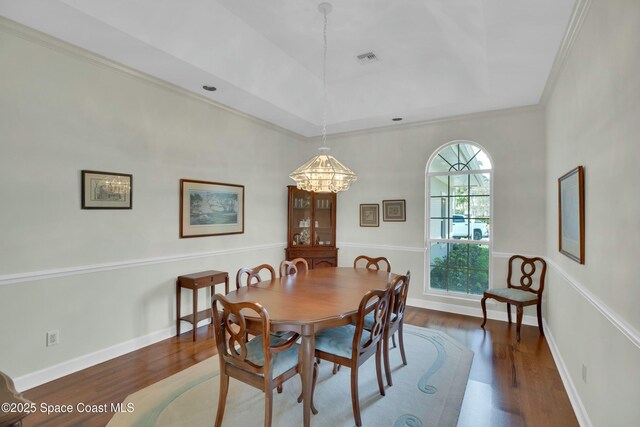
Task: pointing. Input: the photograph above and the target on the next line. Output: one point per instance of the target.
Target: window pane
(439, 185)
(458, 255)
(438, 278)
(459, 185)
(479, 206)
(459, 205)
(457, 280)
(437, 254)
(439, 207)
(480, 184)
(438, 229)
(478, 281)
(479, 256)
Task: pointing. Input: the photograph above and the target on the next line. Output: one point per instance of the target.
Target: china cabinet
(312, 228)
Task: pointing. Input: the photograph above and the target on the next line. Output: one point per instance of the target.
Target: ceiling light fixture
(324, 173)
(209, 88)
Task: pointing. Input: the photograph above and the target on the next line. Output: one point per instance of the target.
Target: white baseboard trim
(572, 392)
(51, 373)
(468, 311)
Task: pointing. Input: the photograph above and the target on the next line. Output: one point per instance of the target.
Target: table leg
(212, 292)
(307, 350)
(178, 292)
(195, 312)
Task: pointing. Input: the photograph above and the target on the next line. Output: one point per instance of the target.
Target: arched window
(458, 219)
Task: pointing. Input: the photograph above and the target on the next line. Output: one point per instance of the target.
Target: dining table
(308, 302)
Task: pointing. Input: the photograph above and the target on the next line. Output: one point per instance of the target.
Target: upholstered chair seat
(513, 294)
(282, 362)
(339, 341)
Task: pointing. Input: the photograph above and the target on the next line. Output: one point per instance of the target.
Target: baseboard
(51, 373)
(468, 311)
(572, 392)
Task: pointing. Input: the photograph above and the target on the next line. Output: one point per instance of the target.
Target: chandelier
(324, 173)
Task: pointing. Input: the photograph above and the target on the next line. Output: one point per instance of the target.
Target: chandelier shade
(323, 173)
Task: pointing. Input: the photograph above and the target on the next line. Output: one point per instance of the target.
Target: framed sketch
(210, 208)
(571, 214)
(370, 215)
(106, 190)
(393, 210)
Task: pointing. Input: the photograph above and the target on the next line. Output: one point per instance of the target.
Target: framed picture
(210, 208)
(106, 190)
(370, 215)
(571, 214)
(393, 210)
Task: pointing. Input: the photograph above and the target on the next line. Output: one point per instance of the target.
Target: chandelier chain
(324, 83)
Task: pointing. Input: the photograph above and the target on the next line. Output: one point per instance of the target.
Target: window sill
(454, 296)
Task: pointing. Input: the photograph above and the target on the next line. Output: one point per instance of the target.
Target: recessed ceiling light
(397, 119)
(209, 88)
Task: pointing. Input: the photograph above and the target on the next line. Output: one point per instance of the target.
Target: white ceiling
(438, 58)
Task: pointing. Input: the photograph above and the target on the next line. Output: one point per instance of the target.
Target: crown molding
(578, 15)
(34, 36)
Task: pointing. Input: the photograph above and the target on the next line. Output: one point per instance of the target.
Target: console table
(195, 281)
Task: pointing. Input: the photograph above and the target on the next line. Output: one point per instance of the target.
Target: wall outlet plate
(53, 337)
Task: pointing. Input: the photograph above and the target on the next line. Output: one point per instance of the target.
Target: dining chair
(293, 267)
(520, 289)
(399, 291)
(372, 263)
(252, 275)
(352, 345)
(264, 362)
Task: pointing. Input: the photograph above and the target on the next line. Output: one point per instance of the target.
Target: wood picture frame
(370, 215)
(210, 208)
(106, 190)
(571, 214)
(394, 210)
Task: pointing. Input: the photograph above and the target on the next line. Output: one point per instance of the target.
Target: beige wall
(391, 164)
(61, 112)
(593, 120)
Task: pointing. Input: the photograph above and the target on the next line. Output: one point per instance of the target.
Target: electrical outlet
(53, 338)
(584, 373)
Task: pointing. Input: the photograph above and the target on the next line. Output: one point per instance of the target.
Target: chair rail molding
(9, 279)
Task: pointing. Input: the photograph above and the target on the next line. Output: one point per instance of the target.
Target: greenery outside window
(459, 219)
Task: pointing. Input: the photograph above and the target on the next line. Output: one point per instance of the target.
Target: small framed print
(106, 190)
(394, 210)
(370, 215)
(210, 208)
(571, 214)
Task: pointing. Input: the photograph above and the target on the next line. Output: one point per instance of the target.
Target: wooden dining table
(309, 302)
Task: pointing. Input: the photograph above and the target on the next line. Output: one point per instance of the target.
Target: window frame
(427, 290)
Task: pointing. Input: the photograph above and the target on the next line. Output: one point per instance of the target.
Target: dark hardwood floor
(510, 384)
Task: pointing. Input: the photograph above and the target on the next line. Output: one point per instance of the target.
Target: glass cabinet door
(301, 218)
(323, 220)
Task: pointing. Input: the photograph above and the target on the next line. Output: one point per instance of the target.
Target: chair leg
(268, 407)
(387, 366)
(393, 339)
(336, 368)
(313, 388)
(222, 398)
(539, 310)
(401, 342)
(379, 367)
(509, 312)
(355, 402)
(279, 388)
(519, 322)
(483, 303)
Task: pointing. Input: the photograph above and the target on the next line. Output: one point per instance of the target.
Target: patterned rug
(427, 392)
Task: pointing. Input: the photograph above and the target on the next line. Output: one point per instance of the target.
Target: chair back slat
(376, 301)
(293, 267)
(372, 263)
(252, 275)
(400, 291)
(231, 333)
(527, 274)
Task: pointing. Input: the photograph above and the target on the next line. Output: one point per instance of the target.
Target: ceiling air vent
(367, 58)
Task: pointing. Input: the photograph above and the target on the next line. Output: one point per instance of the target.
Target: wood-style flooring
(511, 383)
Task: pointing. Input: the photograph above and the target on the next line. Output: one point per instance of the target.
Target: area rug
(427, 392)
